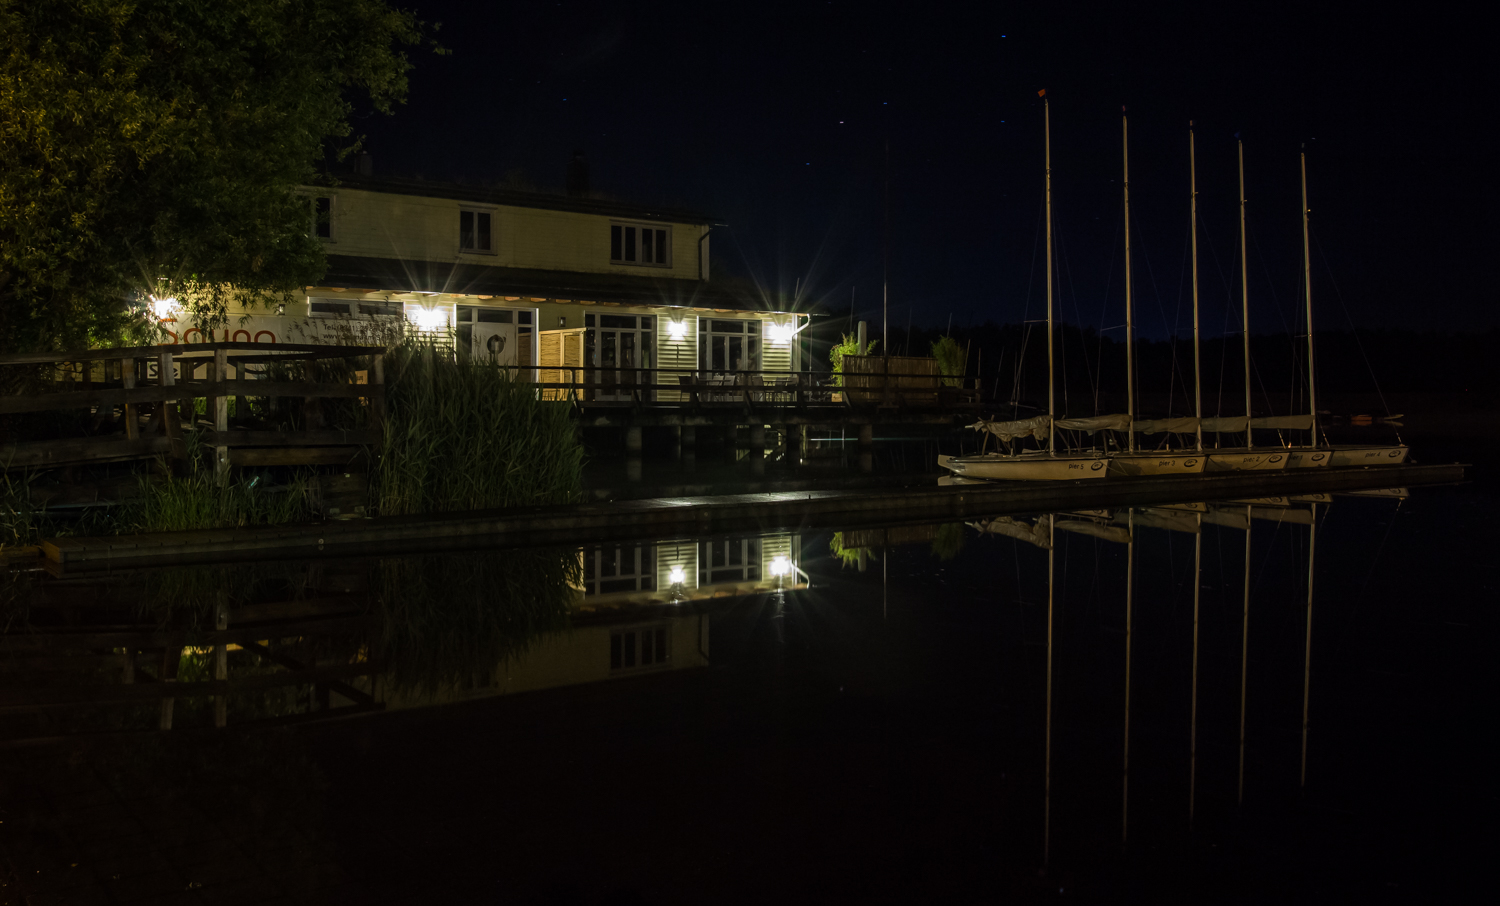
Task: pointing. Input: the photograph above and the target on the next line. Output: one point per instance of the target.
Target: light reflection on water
(1095, 699)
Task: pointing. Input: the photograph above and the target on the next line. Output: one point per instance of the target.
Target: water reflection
(1105, 683)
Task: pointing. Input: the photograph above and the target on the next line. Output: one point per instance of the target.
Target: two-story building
(527, 279)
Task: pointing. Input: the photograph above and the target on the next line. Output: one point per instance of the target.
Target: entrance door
(491, 335)
(622, 350)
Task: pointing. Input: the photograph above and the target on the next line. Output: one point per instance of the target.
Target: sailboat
(1339, 454)
(1133, 462)
(1044, 464)
(1246, 458)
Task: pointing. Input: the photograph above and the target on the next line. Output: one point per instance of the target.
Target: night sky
(775, 119)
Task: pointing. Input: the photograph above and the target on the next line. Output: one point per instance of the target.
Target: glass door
(622, 353)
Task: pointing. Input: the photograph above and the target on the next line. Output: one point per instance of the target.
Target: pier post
(688, 436)
(220, 415)
(758, 439)
(633, 439)
(866, 435)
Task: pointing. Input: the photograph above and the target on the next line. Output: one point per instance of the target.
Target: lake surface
(874, 716)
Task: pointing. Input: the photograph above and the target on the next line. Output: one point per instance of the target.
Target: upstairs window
(475, 233)
(322, 216)
(631, 243)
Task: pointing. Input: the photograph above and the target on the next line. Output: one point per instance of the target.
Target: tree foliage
(156, 147)
(950, 359)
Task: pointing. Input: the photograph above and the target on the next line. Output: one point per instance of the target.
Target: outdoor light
(163, 308)
(781, 333)
(678, 329)
(780, 566)
(429, 319)
(676, 576)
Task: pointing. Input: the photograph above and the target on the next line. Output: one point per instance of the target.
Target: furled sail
(1017, 529)
(1184, 425)
(1007, 431)
(1096, 423)
(1284, 422)
(1085, 527)
(1229, 424)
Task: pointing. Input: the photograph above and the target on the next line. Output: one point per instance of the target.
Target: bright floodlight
(429, 319)
(780, 566)
(676, 576)
(677, 329)
(163, 308)
(781, 333)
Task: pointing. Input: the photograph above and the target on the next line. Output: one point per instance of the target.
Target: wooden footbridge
(112, 405)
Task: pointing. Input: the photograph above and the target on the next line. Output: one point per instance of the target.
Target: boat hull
(1175, 463)
(1032, 467)
(1308, 459)
(1375, 455)
(1246, 460)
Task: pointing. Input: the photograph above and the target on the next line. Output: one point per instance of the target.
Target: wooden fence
(136, 403)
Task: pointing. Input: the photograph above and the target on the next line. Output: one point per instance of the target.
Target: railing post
(132, 421)
(377, 391)
(171, 418)
(219, 404)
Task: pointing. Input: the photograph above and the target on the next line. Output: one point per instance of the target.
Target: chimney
(364, 165)
(578, 176)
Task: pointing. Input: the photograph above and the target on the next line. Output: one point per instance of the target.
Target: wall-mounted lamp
(780, 566)
(676, 576)
(677, 329)
(429, 319)
(562, 322)
(163, 308)
(780, 333)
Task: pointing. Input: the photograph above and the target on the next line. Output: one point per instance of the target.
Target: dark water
(873, 717)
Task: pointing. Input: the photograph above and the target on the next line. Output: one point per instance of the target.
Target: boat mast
(1245, 297)
(1051, 373)
(1312, 387)
(1197, 362)
(1312, 547)
(1129, 314)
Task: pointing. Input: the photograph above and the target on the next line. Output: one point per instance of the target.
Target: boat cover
(1017, 529)
(1285, 422)
(1007, 431)
(1096, 423)
(1084, 527)
(1185, 425)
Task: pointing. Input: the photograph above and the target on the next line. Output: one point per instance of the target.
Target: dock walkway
(674, 516)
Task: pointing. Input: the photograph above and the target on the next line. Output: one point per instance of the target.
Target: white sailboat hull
(1173, 463)
(1374, 455)
(1246, 460)
(1026, 467)
(1308, 459)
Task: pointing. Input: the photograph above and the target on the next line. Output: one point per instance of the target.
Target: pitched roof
(394, 275)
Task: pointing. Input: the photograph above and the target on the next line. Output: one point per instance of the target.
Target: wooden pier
(571, 524)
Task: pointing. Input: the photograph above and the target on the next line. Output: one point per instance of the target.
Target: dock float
(658, 518)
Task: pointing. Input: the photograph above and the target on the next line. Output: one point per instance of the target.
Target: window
(729, 560)
(619, 568)
(644, 646)
(475, 233)
(631, 243)
(355, 308)
(728, 346)
(322, 216)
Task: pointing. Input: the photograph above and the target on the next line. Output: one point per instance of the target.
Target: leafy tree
(849, 345)
(156, 146)
(950, 359)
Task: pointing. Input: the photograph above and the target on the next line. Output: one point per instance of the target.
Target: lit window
(475, 233)
(631, 243)
(643, 646)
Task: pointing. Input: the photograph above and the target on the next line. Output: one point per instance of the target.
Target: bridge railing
(136, 402)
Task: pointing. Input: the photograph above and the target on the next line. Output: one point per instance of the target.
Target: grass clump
(463, 435)
(192, 499)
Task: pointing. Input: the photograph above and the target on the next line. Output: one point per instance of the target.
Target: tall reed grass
(194, 500)
(463, 435)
